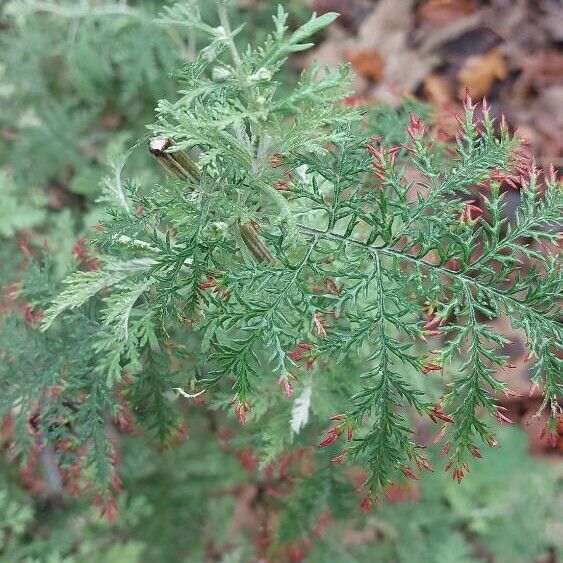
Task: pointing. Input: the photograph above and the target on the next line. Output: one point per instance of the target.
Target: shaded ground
(506, 50)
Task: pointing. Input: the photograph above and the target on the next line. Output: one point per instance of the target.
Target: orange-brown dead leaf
(480, 72)
(367, 62)
(442, 12)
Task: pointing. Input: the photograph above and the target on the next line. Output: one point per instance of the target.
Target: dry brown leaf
(442, 12)
(552, 18)
(480, 72)
(388, 29)
(351, 11)
(367, 62)
(438, 90)
(331, 53)
(544, 68)
(547, 118)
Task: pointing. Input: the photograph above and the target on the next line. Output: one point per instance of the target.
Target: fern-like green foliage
(71, 76)
(77, 82)
(298, 256)
(15, 216)
(505, 510)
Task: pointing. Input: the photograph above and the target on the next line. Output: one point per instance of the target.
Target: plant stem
(224, 19)
(103, 10)
(177, 163)
(254, 243)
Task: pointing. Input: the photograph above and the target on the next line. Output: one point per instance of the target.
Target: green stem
(492, 292)
(225, 24)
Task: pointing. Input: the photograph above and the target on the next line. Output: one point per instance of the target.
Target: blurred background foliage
(78, 84)
(179, 506)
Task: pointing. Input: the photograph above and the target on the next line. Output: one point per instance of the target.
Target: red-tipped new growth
(384, 159)
(367, 503)
(491, 440)
(295, 355)
(431, 366)
(467, 101)
(336, 431)
(332, 437)
(241, 410)
(501, 417)
(470, 214)
(108, 508)
(458, 474)
(340, 458)
(276, 160)
(432, 325)
(407, 472)
(550, 432)
(319, 325)
(284, 383)
(437, 413)
(298, 354)
(445, 450)
(423, 464)
(416, 129)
